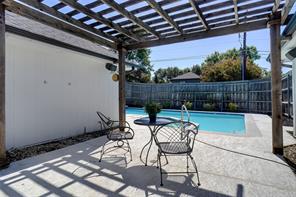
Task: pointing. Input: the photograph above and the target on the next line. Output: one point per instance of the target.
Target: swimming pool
(208, 121)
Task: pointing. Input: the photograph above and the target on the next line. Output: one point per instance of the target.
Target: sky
(187, 54)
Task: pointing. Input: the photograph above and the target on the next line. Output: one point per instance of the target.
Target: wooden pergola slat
(153, 15)
(100, 18)
(216, 17)
(207, 9)
(199, 13)
(53, 12)
(89, 6)
(162, 13)
(109, 10)
(236, 11)
(200, 35)
(131, 17)
(59, 6)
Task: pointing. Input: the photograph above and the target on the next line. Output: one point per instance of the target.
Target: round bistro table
(153, 127)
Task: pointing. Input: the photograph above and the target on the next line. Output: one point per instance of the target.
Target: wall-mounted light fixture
(111, 67)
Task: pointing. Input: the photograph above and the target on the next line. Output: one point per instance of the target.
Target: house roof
(16, 23)
(187, 76)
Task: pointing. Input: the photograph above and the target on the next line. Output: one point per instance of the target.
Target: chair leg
(187, 166)
(130, 150)
(157, 162)
(166, 159)
(102, 151)
(160, 169)
(194, 165)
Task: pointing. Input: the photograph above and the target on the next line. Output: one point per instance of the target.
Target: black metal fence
(252, 96)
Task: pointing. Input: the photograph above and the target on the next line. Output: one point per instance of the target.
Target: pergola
(134, 24)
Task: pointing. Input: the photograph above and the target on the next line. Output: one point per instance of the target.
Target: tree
(141, 57)
(252, 55)
(229, 70)
(196, 69)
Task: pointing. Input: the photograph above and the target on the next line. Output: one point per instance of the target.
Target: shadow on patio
(76, 170)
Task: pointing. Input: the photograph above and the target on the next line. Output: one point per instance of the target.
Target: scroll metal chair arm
(116, 121)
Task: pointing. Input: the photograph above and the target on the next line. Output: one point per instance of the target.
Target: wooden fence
(252, 96)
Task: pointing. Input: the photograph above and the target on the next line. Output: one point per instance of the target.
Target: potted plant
(152, 109)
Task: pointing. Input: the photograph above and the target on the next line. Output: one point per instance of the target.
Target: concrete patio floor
(76, 170)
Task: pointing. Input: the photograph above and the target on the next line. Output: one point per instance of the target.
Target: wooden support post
(3, 159)
(276, 81)
(294, 96)
(121, 93)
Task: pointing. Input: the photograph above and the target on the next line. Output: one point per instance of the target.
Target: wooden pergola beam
(100, 18)
(201, 35)
(131, 17)
(139, 10)
(64, 17)
(109, 10)
(199, 13)
(165, 15)
(41, 17)
(89, 6)
(286, 10)
(276, 6)
(236, 11)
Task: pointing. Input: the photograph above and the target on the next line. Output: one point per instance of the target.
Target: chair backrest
(177, 132)
(106, 120)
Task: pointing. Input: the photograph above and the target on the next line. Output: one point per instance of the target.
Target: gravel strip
(22, 153)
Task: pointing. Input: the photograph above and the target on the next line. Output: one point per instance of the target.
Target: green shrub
(209, 106)
(167, 105)
(188, 105)
(152, 108)
(232, 107)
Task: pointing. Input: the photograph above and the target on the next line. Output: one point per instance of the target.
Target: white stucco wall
(53, 92)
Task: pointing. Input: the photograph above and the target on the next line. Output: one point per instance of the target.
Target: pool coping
(251, 129)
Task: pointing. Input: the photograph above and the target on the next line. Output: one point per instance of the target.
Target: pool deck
(228, 165)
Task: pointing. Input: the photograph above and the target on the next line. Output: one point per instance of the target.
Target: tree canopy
(227, 66)
(141, 57)
(252, 55)
(229, 70)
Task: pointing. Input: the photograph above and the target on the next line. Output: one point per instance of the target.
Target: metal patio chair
(115, 133)
(176, 139)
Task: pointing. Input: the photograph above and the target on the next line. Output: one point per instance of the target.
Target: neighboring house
(189, 77)
(288, 57)
(55, 83)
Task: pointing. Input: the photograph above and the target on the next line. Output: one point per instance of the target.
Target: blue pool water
(211, 122)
